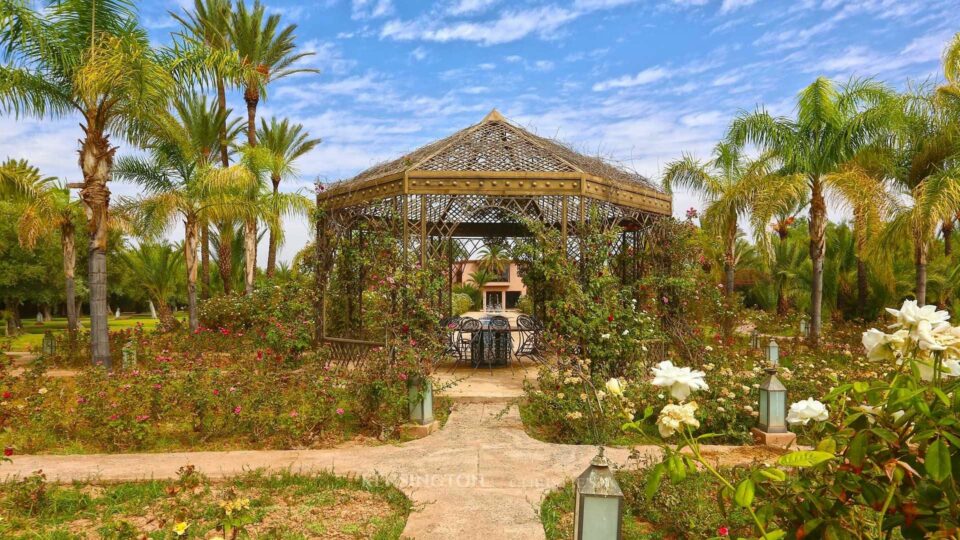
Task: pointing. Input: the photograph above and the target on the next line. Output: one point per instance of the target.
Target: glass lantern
(49, 345)
(773, 404)
(598, 510)
(773, 353)
(804, 327)
(420, 396)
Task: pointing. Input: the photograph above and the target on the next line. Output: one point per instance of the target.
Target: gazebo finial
(494, 116)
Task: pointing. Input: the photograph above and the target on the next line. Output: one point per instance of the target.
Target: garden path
(481, 476)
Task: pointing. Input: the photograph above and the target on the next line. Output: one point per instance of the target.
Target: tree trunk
(47, 313)
(272, 249)
(225, 256)
(818, 227)
(96, 162)
(165, 314)
(222, 105)
(920, 260)
(190, 258)
(205, 261)
(249, 254)
(947, 230)
(252, 97)
(68, 243)
(729, 263)
(860, 235)
(862, 290)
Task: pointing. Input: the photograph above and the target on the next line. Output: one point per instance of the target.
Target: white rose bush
(886, 452)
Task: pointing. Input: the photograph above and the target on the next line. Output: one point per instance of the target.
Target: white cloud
(732, 5)
(418, 54)
(487, 66)
(371, 9)
(647, 76)
(463, 7)
(509, 26)
(543, 65)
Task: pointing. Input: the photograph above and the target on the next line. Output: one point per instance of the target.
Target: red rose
(7, 395)
(8, 451)
(723, 531)
(610, 318)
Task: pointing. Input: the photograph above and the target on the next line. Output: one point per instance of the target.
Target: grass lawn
(32, 335)
(256, 504)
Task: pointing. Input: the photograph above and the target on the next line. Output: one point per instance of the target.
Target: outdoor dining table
(491, 347)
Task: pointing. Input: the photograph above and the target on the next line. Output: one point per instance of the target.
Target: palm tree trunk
(68, 243)
(947, 230)
(249, 254)
(205, 260)
(729, 263)
(96, 162)
(818, 227)
(222, 105)
(252, 97)
(225, 255)
(272, 250)
(920, 253)
(165, 314)
(860, 232)
(190, 258)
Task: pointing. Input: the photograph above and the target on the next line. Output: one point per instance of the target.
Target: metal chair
(531, 335)
(468, 330)
(502, 339)
(449, 329)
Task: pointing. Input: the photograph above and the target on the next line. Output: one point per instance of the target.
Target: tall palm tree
(209, 24)
(181, 181)
(286, 142)
(89, 58)
(480, 277)
(495, 259)
(830, 126)
(48, 208)
(729, 184)
(927, 176)
(156, 268)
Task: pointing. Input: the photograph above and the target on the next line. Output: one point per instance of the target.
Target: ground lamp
(598, 510)
(771, 427)
(755, 339)
(420, 394)
(49, 345)
(804, 327)
(773, 353)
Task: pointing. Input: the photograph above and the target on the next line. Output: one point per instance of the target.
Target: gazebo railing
(349, 353)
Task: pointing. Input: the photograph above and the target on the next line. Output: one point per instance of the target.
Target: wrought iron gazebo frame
(480, 182)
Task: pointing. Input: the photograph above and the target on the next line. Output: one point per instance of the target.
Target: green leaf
(943, 397)
(653, 483)
(954, 440)
(743, 496)
(804, 458)
(937, 461)
(771, 473)
(676, 468)
(774, 535)
(885, 434)
(858, 449)
(827, 445)
(861, 387)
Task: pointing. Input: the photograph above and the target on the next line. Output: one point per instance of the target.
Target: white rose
(680, 381)
(614, 387)
(951, 368)
(883, 346)
(910, 315)
(604, 336)
(805, 410)
(673, 417)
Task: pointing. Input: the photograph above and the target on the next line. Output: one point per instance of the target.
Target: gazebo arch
(465, 185)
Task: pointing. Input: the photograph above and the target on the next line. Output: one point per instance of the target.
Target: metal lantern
(773, 353)
(773, 404)
(420, 393)
(49, 345)
(598, 510)
(804, 327)
(128, 355)
(755, 339)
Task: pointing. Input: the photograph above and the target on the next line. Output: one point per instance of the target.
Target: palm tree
(926, 175)
(830, 126)
(481, 276)
(266, 54)
(286, 143)
(729, 184)
(48, 208)
(89, 58)
(495, 259)
(180, 180)
(156, 268)
(209, 25)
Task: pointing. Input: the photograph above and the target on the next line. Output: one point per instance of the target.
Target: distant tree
(158, 268)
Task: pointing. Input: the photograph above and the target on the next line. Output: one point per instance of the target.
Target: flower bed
(255, 505)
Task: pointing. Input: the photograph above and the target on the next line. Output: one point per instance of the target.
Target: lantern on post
(773, 404)
(129, 355)
(804, 327)
(598, 508)
(49, 345)
(773, 353)
(755, 339)
(420, 396)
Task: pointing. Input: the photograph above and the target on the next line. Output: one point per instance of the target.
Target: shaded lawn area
(256, 504)
(32, 332)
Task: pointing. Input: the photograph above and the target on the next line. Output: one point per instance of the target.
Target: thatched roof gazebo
(483, 181)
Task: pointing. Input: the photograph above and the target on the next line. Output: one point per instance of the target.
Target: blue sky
(639, 82)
